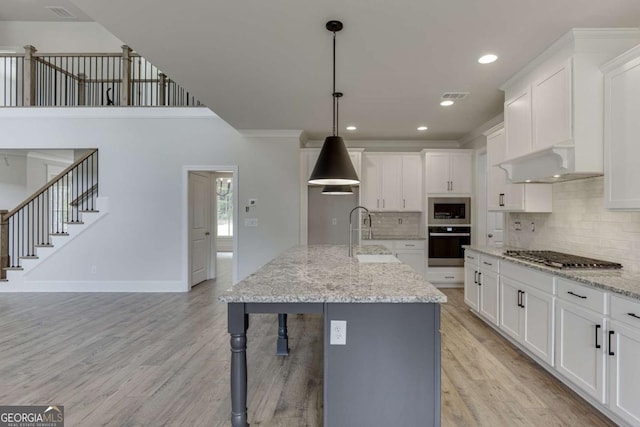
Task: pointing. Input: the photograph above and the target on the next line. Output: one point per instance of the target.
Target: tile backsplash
(580, 225)
(396, 224)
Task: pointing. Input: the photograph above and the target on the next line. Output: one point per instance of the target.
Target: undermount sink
(388, 259)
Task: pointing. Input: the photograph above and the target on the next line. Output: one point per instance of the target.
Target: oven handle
(450, 234)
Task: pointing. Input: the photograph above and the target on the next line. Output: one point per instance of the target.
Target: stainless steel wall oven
(445, 245)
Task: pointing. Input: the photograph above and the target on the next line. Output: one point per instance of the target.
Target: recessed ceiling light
(487, 59)
(422, 128)
(351, 128)
(556, 176)
(446, 103)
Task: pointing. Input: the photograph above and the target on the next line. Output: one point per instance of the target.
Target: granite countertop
(616, 281)
(375, 237)
(326, 274)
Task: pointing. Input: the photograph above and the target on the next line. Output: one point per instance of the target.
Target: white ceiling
(267, 64)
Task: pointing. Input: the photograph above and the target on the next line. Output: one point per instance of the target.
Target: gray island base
(388, 372)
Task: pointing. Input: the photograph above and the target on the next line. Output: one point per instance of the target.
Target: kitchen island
(387, 372)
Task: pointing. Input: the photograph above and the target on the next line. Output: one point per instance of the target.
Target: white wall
(13, 180)
(38, 163)
(138, 245)
(52, 37)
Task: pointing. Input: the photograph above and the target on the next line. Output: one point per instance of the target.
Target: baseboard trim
(96, 286)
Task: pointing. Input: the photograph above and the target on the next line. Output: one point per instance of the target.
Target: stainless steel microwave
(449, 210)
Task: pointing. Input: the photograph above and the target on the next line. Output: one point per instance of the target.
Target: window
(224, 205)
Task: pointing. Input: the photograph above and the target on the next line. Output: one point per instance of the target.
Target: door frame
(186, 246)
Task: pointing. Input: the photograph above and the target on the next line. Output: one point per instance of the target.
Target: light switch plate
(251, 222)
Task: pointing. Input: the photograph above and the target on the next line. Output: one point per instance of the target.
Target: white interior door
(199, 223)
(490, 225)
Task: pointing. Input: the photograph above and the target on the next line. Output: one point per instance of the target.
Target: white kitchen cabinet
(552, 119)
(489, 293)
(621, 130)
(580, 347)
(448, 172)
(526, 314)
(622, 354)
(392, 182)
(503, 196)
(412, 182)
(411, 252)
(624, 371)
(471, 288)
(553, 107)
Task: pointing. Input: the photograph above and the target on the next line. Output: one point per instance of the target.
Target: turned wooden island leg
(238, 323)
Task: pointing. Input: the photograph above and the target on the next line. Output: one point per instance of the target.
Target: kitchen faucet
(351, 227)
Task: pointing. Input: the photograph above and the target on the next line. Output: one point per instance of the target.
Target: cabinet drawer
(409, 244)
(445, 275)
(490, 263)
(471, 257)
(625, 310)
(528, 276)
(583, 296)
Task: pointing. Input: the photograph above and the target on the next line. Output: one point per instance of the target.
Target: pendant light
(334, 165)
(337, 190)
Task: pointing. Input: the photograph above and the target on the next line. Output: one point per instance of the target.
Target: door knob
(489, 235)
(207, 233)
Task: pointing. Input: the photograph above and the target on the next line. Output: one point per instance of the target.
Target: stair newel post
(125, 88)
(29, 94)
(162, 88)
(82, 89)
(4, 244)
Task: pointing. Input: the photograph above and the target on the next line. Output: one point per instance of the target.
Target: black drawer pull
(597, 345)
(576, 295)
(486, 263)
(611, 353)
(520, 293)
(449, 277)
(633, 315)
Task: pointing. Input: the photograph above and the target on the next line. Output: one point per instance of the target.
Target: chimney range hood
(554, 164)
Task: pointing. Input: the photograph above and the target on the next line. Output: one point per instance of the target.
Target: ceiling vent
(454, 96)
(61, 12)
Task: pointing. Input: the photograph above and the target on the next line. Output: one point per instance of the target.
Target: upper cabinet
(503, 196)
(553, 108)
(622, 127)
(448, 171)
(392, 182)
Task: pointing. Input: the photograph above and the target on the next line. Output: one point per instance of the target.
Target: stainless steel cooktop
(560, 260)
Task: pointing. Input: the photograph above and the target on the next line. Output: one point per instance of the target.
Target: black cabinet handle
(479, 278)
(633, 315)
(475, 277)
(522, 299)
(597, 328)
(611, 353)
(519, 298)
(576, 295)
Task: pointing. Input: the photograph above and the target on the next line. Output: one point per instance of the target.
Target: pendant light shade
(334, 165)
(337, 190)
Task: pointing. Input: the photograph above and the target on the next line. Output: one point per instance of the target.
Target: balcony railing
(86, 79)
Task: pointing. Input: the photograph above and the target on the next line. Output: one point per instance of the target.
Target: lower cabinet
(526, 314)
(489, 295)
(623, 356)
(580, 348)
(471, 288)
(481, 285)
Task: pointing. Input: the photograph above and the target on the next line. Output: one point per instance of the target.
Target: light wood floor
(163, 359)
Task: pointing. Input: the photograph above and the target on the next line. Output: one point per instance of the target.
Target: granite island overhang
(388, 371)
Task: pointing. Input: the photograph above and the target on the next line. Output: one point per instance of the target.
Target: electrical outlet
(334, 221)
(533, 227)
(517, 225)
(338, 334)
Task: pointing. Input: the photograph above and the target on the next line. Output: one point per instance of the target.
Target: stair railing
(50, 210)
(86, 79)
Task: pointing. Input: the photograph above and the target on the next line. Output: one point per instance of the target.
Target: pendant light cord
(333, 94)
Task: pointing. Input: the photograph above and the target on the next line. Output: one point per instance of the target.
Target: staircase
(50, 218)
